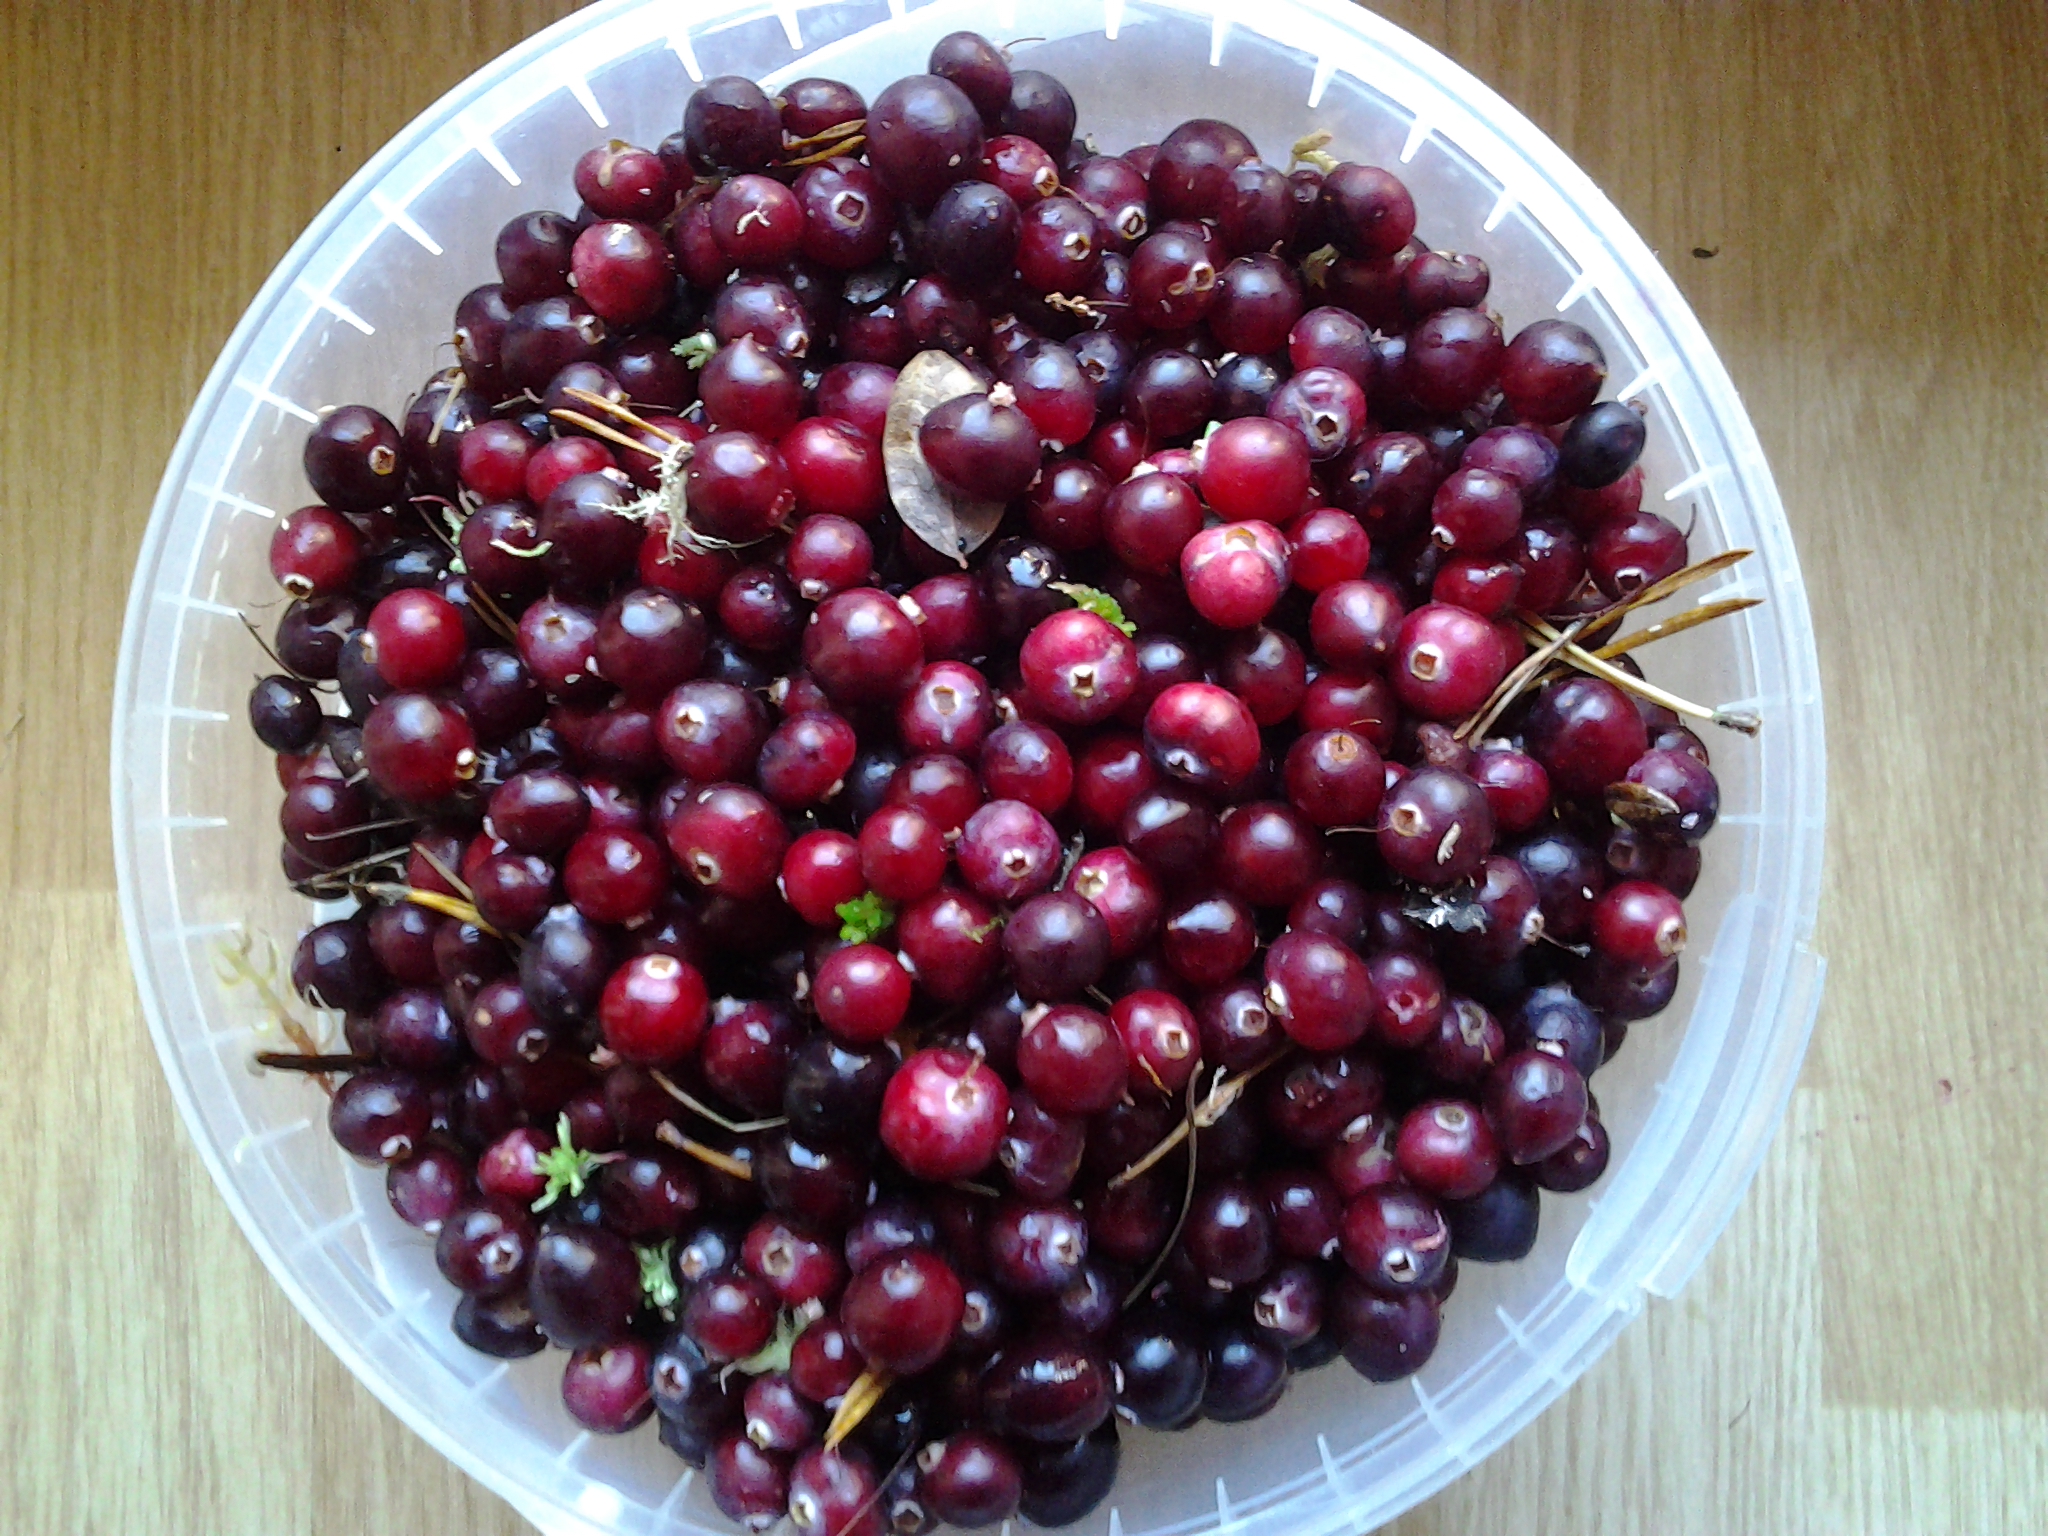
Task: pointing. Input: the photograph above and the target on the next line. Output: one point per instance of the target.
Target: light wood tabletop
(1854, 198)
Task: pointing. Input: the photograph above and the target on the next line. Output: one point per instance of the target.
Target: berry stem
(856, 1405)
(667, 1134)
(1706, 613)
(1733, 720)
(698, 1107)
(1511, 686)
(307, 1061)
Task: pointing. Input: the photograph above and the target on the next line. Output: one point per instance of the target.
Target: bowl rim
(1476, 107)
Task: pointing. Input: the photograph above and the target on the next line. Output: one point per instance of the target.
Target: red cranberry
(1072, 1060)
(861, 992)
(944, 1115)
(1321, 993)
(1235, 573)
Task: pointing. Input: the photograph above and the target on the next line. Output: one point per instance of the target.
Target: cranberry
(1235, 573)
(1160, 1038)
(1395, 1239)
(1027, 762)
(1048, 1390)
(1385, 1337)
(1209, 938)
(1445, 1148)
(1057, 945)
(1498, 1225)
(1202, 735)
(1599, 447)
(1435, 827)
(1638, 924)
(861, 992)
(1078, 669)
(654, 1009)
(729, 840)
(1072, 1059)
(944, 1115)
(1446, 662)
(901, 1311)
(862, 648)
(1586, 734)
(1321, 993)
(1124, 892)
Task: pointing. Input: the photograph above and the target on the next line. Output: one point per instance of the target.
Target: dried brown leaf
(953, 524)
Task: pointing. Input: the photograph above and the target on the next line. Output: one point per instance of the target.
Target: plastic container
(353, 312)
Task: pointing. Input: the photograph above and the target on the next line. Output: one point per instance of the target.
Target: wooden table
(1866, 1351)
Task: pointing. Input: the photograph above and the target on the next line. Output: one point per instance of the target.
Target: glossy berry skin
(821, 871)
(1073, 1061)
(1386, 1338)
(417, 639)
(862, 648)
(418, 748)
(1202, 735)
(485, 1248)
(1235, 573)
(1078, 669)
(1036, 1250)
(1585, 732)
(605, 1387)
(1638, 924)
(902, 853)
(1267, 853)
(1498, 1225)
(1008, 852)
(981, 447)
(923, 135)
(1028, 762)
(832, 1493)
(729, 1315)
(1125, 893)
(1535, 1103)
(654, 1009)
(1446, 662)
(1551, 371)
(1445, 1148)
(1334, 778)
(1048, 1390)
(969, 1479)
(1395, 1240)
(585, 1286)
(1435, 827)
(901, 1311)
(739, 488)
(615, 877)
(1160, 1039)
(1057, 945)
(1230, 1233)
(861, 992)
(943, 1115)
(1601, 445)
(1320, 991)
(730, 841)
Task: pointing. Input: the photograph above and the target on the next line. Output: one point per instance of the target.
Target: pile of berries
(902, 931)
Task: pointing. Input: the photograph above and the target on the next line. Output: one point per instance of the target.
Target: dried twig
(1511, 686)
(1587, 662)
(725, 1163)
(696, 1106)
(856, 1405)
(1678, 623)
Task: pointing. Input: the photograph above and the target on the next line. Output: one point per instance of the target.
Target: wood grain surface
(1867, 1349)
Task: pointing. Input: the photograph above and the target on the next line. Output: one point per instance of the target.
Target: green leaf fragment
(696, 350)
(568, 1170)
(658, 1273)
(1097, 602)
(863, 917)
(774, 1355)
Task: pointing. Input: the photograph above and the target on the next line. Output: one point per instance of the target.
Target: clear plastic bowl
(353, 313)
